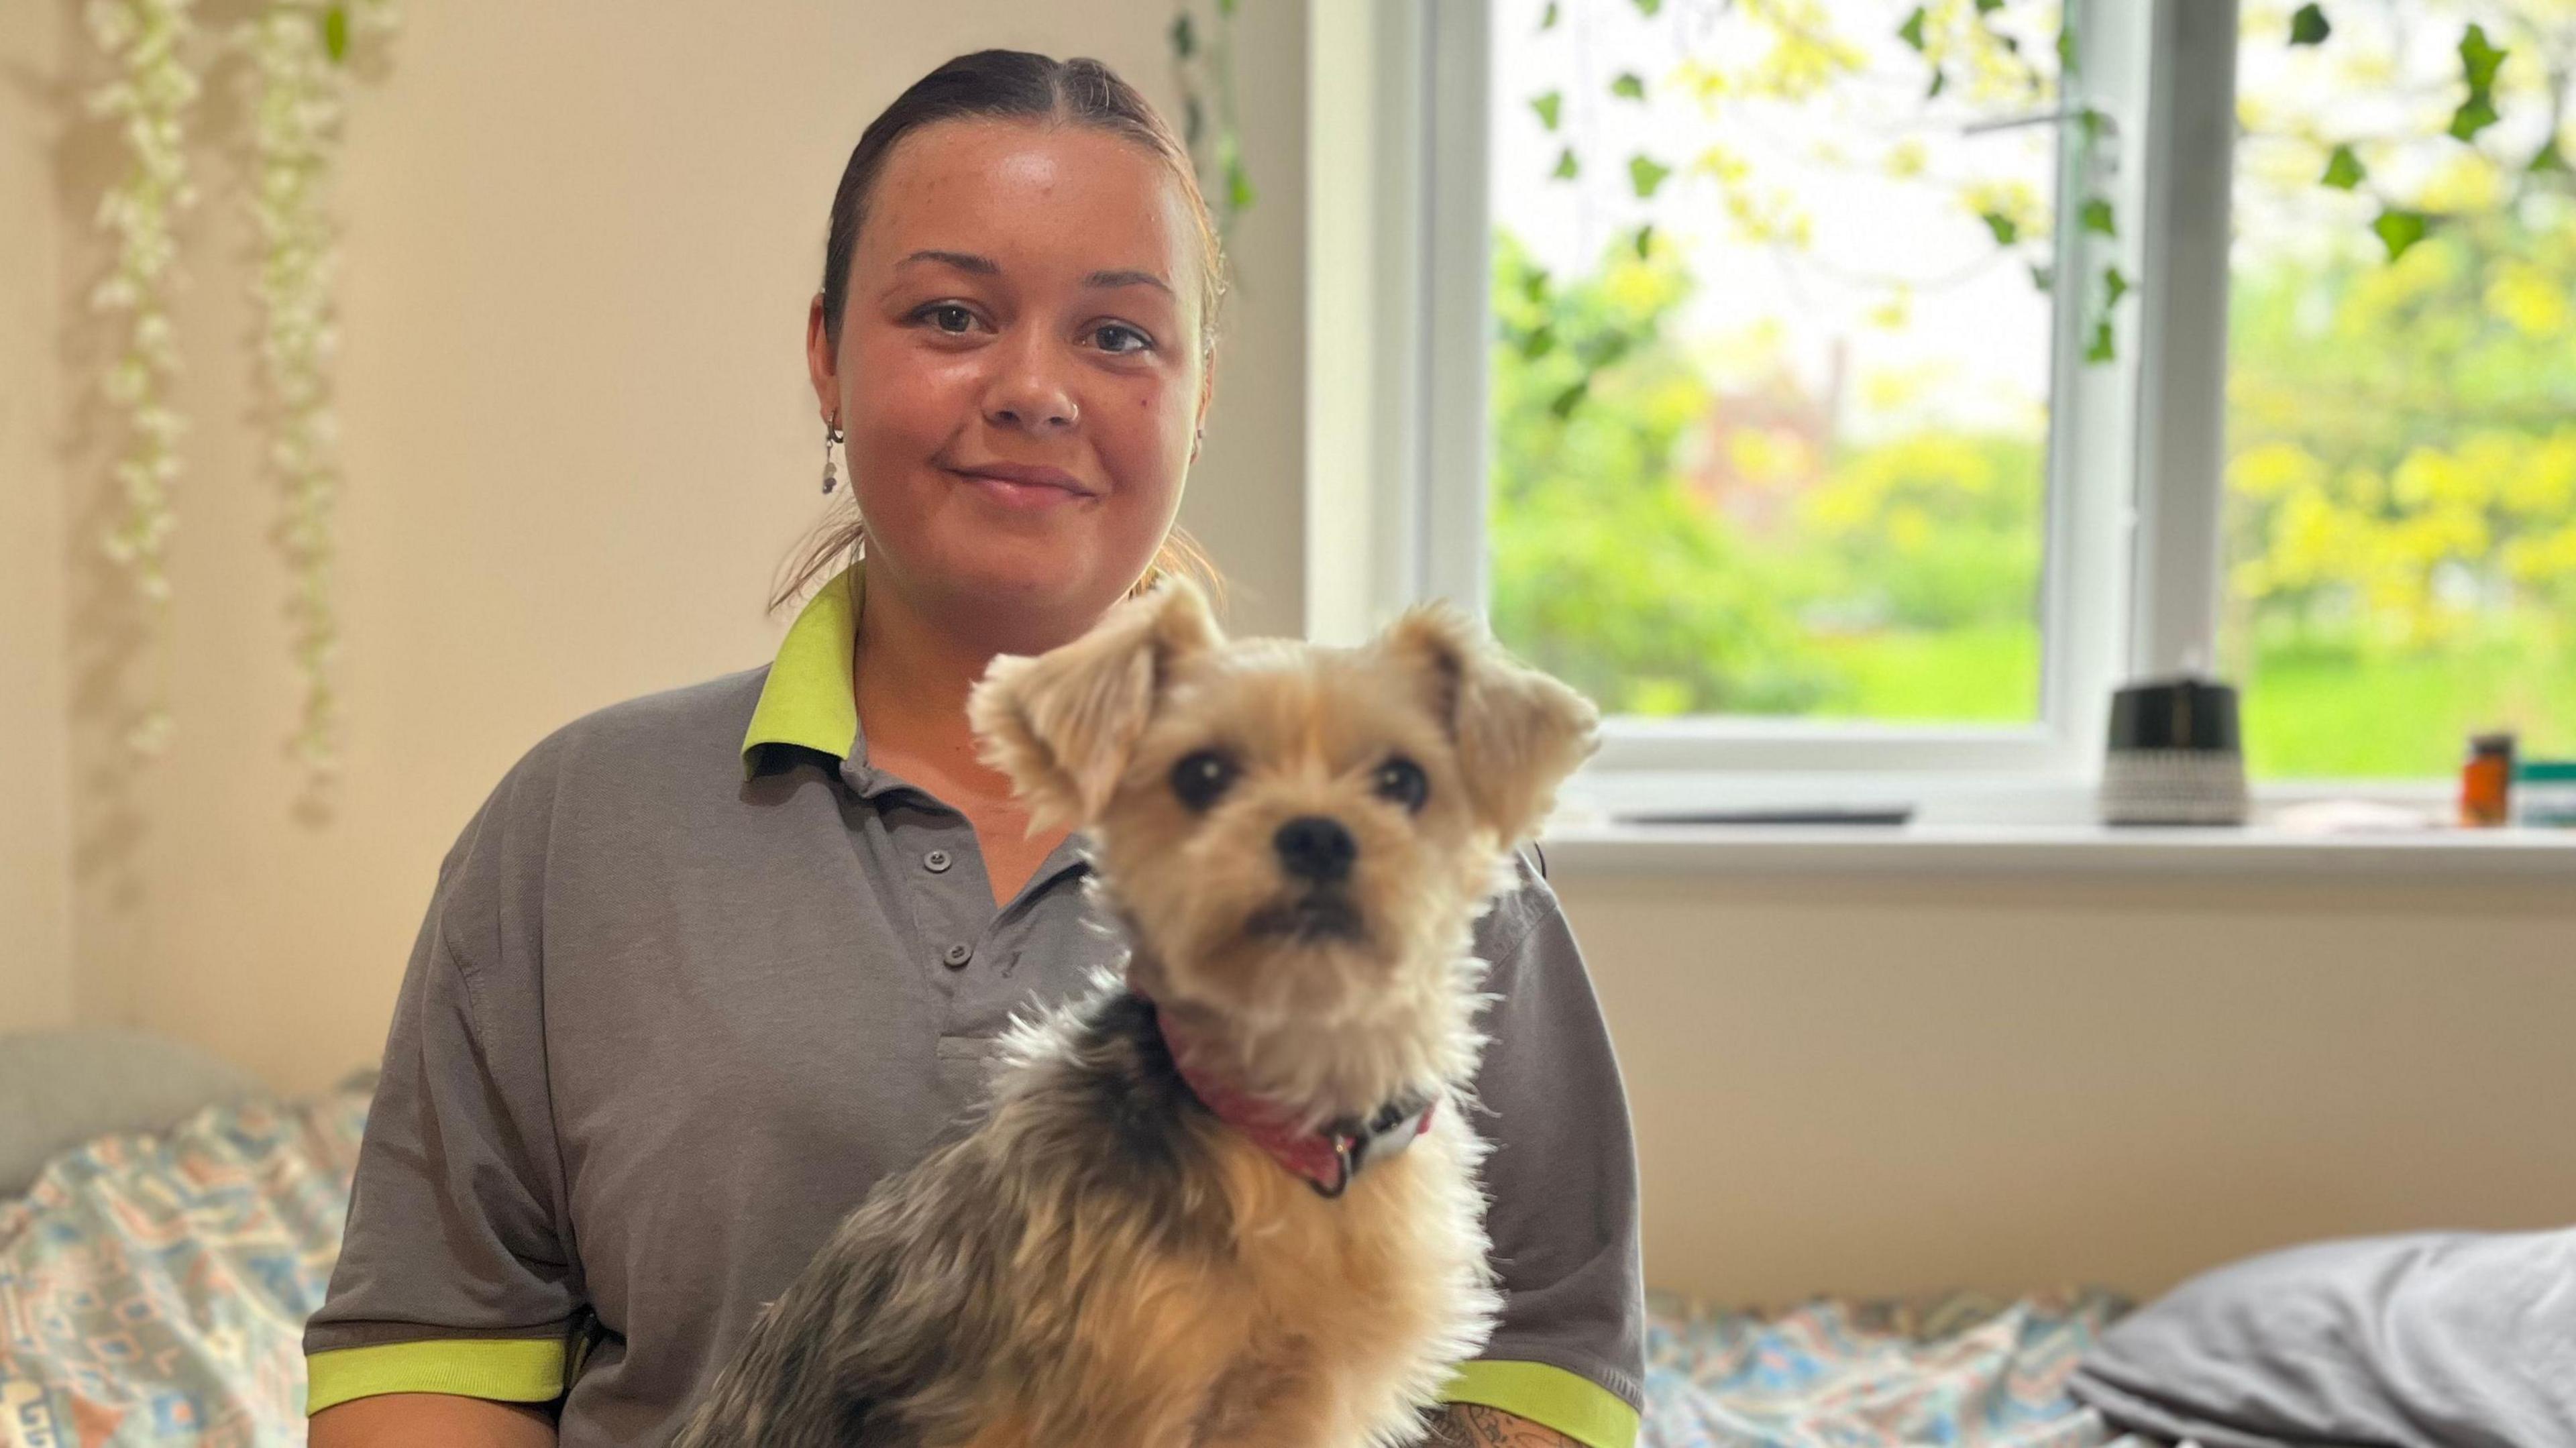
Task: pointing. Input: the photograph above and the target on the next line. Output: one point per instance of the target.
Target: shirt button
(957, 955)
(937, 863)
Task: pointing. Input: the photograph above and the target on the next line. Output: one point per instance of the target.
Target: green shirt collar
(807, 700)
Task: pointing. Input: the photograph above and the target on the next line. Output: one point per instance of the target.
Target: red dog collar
(1327, 1158)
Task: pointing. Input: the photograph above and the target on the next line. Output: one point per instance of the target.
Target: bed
(153, 1286)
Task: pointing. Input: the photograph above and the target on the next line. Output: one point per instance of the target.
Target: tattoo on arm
(1473, 1425)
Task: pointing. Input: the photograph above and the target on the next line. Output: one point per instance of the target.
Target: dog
(1229, 1198)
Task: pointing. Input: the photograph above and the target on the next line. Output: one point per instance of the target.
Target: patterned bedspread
(153, 1289)
(153, 1292)
(1960, 1370)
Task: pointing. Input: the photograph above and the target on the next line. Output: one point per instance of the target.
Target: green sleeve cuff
(1549, 1396)
(503, 1369)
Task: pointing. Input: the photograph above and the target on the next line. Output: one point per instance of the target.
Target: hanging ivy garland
(1947, 33)
(149, 98)
(2399, 226)
(1965, 37)
(296, 86)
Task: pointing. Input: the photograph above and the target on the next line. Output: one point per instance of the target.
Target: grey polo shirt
(695, 977)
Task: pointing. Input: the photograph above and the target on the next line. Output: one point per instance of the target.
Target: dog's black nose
(1315, 848)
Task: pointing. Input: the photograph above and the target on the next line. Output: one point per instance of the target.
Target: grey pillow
(2463, 1340)
(61, 1088)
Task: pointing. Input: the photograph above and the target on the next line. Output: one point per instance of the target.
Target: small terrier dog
(1231, 1198)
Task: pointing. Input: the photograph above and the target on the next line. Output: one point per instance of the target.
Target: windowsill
(2461, 855)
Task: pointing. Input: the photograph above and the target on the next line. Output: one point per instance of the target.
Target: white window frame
(1398, 327)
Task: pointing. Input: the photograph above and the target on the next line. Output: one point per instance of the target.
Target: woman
(710, 963)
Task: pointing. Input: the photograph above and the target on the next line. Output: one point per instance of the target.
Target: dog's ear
(1061, 724)
(1518, 732)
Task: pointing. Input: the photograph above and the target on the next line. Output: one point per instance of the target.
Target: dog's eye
(1402, 780)
(1200, 778)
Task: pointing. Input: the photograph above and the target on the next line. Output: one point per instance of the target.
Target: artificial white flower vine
(150, 97)
(297, 88)
(299, 98)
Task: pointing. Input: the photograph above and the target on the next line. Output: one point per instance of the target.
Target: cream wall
(579, 243)
(1870, 1084)
(35, 814)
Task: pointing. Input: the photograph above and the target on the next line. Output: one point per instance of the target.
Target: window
(2401, 431)
(1842, 389)
(1769, 391)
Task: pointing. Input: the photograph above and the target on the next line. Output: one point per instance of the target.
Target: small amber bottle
(2486, 782)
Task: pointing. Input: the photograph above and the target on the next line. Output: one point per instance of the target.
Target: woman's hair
(1001, 85)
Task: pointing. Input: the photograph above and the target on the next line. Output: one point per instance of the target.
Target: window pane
(2401, 485)
(1770, 382)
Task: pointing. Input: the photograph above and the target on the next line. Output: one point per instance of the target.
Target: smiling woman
(1019, 351)
(1080, 321)
(712, 964)
(1018, 430)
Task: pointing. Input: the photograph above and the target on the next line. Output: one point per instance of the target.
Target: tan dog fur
(1193, 1293)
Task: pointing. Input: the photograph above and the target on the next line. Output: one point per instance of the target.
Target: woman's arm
(456, 1279)
(443, 1420)
(1565, 1364)
(1471, 1425)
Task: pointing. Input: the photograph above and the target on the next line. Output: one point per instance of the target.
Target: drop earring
(832, 437)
